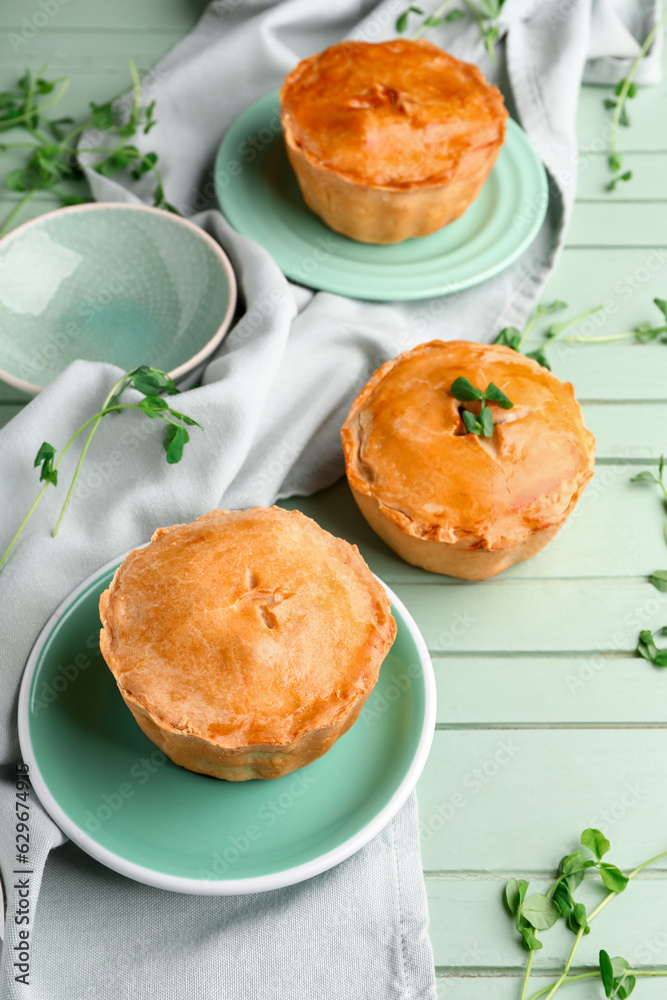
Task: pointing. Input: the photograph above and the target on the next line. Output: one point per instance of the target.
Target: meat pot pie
(246, 643)
(390, 140)
(459, 503)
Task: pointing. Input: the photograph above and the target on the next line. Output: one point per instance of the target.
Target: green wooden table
(547, 721)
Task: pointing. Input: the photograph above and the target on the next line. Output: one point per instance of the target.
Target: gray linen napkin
(272, 403)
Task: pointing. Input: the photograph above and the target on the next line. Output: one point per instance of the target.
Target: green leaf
(646, 647)
(486, 422)
(544, 308)
(626, 987)
(613, 879)
(175, 440)
(509, 337)
(186, 420)
(402, 21)
(45, 457)
(515, 890)
(540, 911)
(623, 118)
(632, 90)
(615, 162)
(472, 424)
(660, 659)
(577, 920)
(609, 103)
(117, 161)
(463, 390)
(530, 939)
(595, 841)
(540, 357)
(606, 972)
(432, 22)
(573, 867)
(492, 394)
(645, 477)
(15, 180)
(152, 405)
(662, 306)
(563, 899)
(659, 579)
(147, 163)
(454, 15)
(490, 36)
(101, 115)
(555, 329)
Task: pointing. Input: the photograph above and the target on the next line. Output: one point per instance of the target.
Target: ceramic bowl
(114, 282)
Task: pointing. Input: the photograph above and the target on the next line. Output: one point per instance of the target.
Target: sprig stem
(580, 933)
(622, 97)
(13, 122)
(15, 211)
(575, 319)
(595, 975)
(610, 337)
(437, 13)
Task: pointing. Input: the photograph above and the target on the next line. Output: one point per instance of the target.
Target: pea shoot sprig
(485, 13)
(50, 143)
(540, 911)
(650, 477)
(512, 336)
(151, 383)
(625, 90)
(463, 390)
(647, 648)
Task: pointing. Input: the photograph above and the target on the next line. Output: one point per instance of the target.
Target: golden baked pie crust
(246, 642)
(448, 500)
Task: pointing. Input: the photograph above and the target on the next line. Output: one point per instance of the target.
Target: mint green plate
(258, 192)
(123, 802)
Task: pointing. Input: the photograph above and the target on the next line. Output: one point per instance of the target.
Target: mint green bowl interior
(116, 283)
(124, 796)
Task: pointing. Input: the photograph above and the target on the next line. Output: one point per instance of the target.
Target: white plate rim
(223, 887)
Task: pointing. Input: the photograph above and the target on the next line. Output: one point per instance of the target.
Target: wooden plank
(470, 927)
(612, 507)
(516, 801)
(473, 986)
(649, 179)
(535, 616)
(624, 282)
(74, 16)
(621, 224)
(633, 431)
(511, 692)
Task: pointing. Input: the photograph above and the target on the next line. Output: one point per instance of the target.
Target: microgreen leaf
(402, 20)
(486, 422)
(577, 920)
(472, 424)
(515, 891)
(530, 939)
(645, 477)
(612, 877)
(175, 440)
(563, 899)
(45, 457)
(659, 579)
(595, 841)
(463, 390)
(606, 973)
(493, 394)
(454, 15)
(509, 337)
(540, 911)
(540, 357)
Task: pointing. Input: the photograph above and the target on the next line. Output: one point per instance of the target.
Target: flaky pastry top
(399, 114)
(405, 445)
(246, 627)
